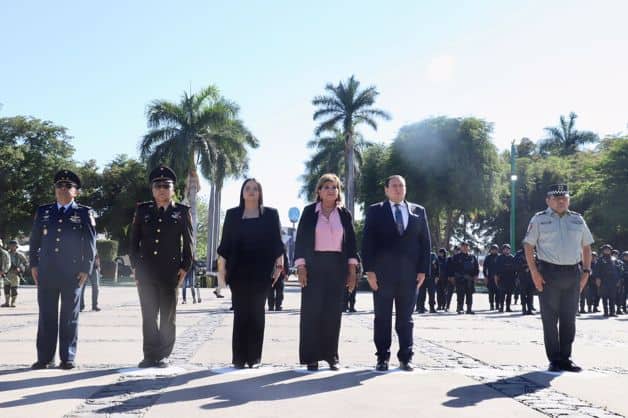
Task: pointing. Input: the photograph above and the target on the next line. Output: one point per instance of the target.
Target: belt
(558, 267)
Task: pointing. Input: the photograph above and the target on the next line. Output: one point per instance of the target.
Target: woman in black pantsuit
(326, 260)
(250, 261)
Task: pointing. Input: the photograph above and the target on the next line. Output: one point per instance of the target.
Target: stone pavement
(484, 365)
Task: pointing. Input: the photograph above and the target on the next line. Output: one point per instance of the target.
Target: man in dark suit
(161, 254)
(396, 257)
(62, 250)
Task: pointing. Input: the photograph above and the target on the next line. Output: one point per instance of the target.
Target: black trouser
(158, 299)
(608, 292)
(506, 290)
(492, 290)
(441, 292)
(450, 287)
(321, 308)
(592, 292)
(249, 317)
(527, 294)
(427, 291)
(349, 300)
(559, 304)
(275, 295)
(621, 297)
(465, 287)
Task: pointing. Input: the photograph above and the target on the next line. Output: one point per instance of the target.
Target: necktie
(399, 219)
(162, 210)
(61, 210)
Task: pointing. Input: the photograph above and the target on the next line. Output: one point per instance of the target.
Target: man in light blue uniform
(562, 240)
(62, 249)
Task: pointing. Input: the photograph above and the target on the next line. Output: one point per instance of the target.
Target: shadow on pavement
(34, 381)
(267, 387)
(509, 387)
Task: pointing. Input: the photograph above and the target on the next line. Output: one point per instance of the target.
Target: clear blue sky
(94, 66)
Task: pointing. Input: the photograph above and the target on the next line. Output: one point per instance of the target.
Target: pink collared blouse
(328, 235)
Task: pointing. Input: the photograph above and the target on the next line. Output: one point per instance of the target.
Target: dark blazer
(161, 244)
(231, 229)
(62, 245)
(385, 251)
(306, 232)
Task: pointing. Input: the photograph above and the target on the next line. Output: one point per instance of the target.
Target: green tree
(31, 152)
(345, 107)
(124, 185)
(452, 168)
(565, 139)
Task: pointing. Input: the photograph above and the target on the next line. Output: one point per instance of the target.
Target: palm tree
(325, 159)
(345, 107)
(230, 159)
(178, 136)
(565, 139)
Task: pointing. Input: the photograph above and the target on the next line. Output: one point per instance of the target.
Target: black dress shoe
(432, 310)
(554, 366)
(382, 366)
(406, 366)
(146, 363)
(333, 365)
(96, 309)
(312, 367)
(238, 365)
(279, 308)
(470, 312)
(570, 366)
(40, 365)
(67, 365)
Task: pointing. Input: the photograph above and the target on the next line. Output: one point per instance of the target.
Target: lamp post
(513, 182)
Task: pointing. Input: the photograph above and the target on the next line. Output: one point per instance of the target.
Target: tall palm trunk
(211, 232)
(192, 187)
(349, 172)
(218, 200)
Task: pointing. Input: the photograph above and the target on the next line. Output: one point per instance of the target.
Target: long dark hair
(260, 202)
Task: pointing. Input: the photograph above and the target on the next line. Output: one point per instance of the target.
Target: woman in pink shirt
(326, 260)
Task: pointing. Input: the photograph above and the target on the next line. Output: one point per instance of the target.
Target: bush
(107, 250)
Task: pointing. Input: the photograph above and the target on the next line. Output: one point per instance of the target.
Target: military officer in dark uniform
(607, 275)
(624, 278)
(505, 277)
(592, 291)
(525, 283)
(489, 269)
(562, 240)
(465, 268)
(442, 280)
(428, 289)
(62, 250)
(161, 254)
(451, 280)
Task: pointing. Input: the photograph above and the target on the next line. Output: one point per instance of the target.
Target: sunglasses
(64, 185)
(162, 185)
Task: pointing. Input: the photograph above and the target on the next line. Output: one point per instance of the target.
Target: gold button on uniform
(157, 241)
(58, 229)
(159, 219)
(56, 250)
(158, 230)
(155, 252)
(60, 220)
(58, 239)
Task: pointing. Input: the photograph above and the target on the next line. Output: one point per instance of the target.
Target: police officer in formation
(465, 269)
(442, 281)
(489, 270)
(161, 254)
(451, 279)
(428, 289)
(62, 249)
(505, 277)
(526, 285)
(607, 277)
(560, 271)
(18, 265)
(591, 290)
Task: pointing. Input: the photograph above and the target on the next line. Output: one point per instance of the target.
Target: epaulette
(539, 213)
(143, 204)
(47, 206)
(84, 206)
(181, 205)
(571, 212)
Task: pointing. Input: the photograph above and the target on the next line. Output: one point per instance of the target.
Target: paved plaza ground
(486, 365)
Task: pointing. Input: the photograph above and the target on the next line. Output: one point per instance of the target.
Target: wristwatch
(586, 271)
